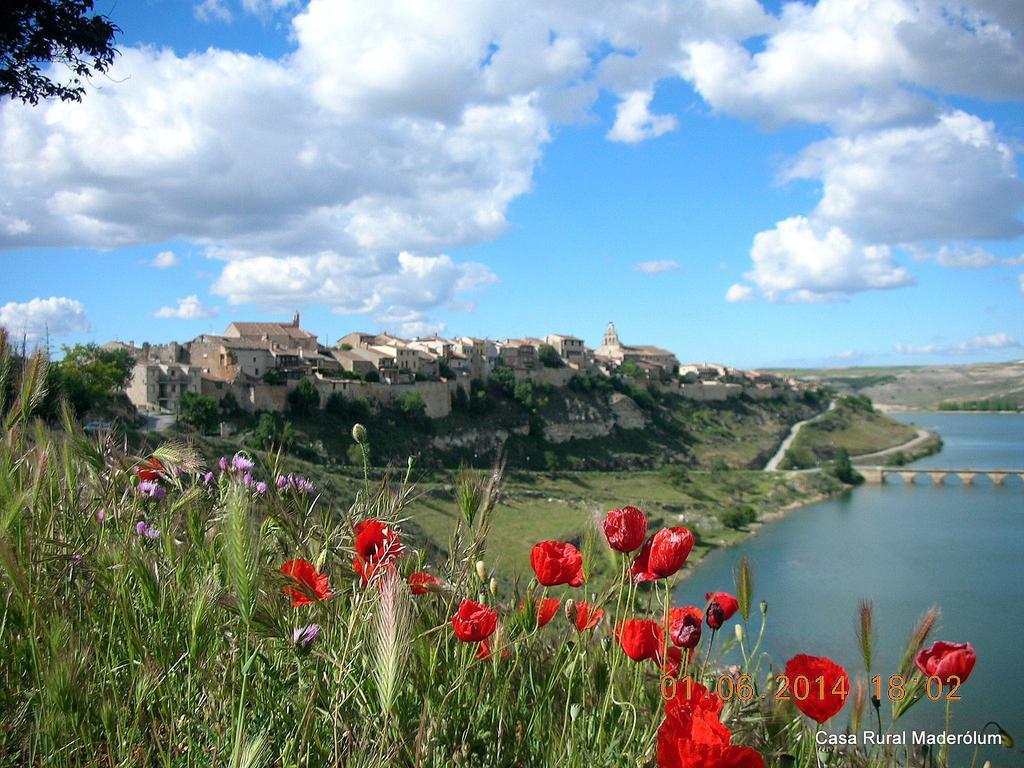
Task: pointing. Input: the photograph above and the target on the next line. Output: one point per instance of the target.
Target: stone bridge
(938, 476)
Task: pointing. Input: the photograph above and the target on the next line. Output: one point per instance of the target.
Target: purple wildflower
(151, 489)
(298, 483)
(223, 463)
(303, 637)
(240, 463)
(101, 515)
(247, 480)
(261, 488)
(208, 478)
(282, 482)
(145, 530)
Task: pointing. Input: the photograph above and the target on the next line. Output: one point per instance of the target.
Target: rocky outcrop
(583, 420)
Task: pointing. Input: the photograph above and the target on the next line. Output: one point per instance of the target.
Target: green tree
(198, 411)
(737, 517)
(371, 376)
(631, 370)
(843, 470)
(502, 380)
(411, 404)
(36, 32)
(89, 376)
(304, 400)
(549, 356)
(271, 430)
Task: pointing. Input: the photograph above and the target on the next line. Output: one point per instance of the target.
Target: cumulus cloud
(164, 260)
(950, 179)
(189, 308)
(634, 121)
(33, 320)
(802, 261)
(859, 65)
(657, 266)
(994, 341)
(738, 293)
(392, 129)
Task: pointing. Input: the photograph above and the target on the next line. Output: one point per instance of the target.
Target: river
(906, 548)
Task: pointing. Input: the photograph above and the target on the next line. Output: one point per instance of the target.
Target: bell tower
(611, 338)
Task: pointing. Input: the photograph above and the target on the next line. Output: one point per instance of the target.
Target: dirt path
(774, 461)
(922, 435)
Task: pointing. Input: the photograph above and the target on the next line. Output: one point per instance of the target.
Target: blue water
(905, 548)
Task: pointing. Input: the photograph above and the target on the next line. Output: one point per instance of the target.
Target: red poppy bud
(474, 622)
(663, 554)
(684, 626)
(640, 638)
(721, 607)
(826, 685)
(310, 584)
(547, 607)
(947, 660)
(422, 582)
(625, 528)
(557, 562)
(483, 651)
(586, 616)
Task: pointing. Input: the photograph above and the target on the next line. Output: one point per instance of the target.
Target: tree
(271, 430)
(411, 404)
(549, 356)
(89, 375)
(843, 470)
(36, 32)
(304, 399)
(632, 370)
(199, 411)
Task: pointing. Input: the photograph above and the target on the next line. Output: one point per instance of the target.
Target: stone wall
(708, 391)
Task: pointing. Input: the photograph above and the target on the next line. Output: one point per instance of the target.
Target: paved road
(774, 461)
(922, 435)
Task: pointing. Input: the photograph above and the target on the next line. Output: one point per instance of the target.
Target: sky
(753, 183)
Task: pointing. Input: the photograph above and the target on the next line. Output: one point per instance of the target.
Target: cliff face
(587, 419)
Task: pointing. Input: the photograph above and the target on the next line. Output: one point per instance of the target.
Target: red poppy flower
(547, 607)
(672, 664)
(151, 469)
(640, 638)
(684, 626)
(693, 736)
(625, 528)
(947, 660)
(483, 651)
(474, 622)
(586, 616)
(826, 685)
(557, 562)
(308, 582)
(422, 582)
(377, 544)
(721, 607)
(663, 554)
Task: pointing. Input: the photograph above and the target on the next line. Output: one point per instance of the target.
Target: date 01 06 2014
(802, 688)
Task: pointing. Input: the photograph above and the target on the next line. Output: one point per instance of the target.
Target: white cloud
(397, 128)
(164, 260)
(801, 261)
(853, 65)
(212, 10)
(738, 293)
(654, 267)
(33, 320)
(189, 308)
(951, 179)
(634, 121)
(994, 341)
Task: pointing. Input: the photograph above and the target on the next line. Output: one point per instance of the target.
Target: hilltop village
(260, 363)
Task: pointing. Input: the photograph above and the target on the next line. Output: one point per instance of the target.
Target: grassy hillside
(852, 425)
(924, 387)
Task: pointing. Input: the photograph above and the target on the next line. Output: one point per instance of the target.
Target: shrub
(198, 411)
(737, 517)
(843, 470)
(549, 357)
(304, 400)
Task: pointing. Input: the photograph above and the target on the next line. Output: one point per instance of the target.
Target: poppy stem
(711, 644)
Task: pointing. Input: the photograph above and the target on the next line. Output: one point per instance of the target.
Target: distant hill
(925, 387)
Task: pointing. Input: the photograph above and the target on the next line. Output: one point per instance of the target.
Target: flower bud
(739, 632)
(493, 586)
(359, 433)
(481, 570)
(764, 607)
(570, 610)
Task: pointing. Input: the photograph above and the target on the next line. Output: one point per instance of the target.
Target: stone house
(157, 386)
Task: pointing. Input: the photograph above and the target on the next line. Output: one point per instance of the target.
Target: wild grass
(173, 643)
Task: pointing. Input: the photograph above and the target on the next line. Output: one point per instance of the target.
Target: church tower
(611, 338)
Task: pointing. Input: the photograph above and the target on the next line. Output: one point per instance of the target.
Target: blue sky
(740, 184)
